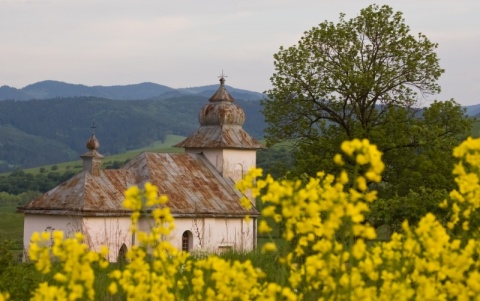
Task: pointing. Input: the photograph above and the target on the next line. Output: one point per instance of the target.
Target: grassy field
(11, 224)
(158, 146)
(476, 129)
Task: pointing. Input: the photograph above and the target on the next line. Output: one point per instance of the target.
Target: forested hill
(47, 131)
(51, 89)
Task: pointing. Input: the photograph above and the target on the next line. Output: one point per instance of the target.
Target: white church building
(199, 183)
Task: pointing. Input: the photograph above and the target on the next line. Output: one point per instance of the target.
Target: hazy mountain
(51, 89)
(208, 91)
(473, 110)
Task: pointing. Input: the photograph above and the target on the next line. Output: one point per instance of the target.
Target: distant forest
(48, 131)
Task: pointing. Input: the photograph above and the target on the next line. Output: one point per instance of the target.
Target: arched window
(187, 241)
(122, 254)
(238, 172)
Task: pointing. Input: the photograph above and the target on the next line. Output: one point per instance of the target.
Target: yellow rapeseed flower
(331, 249)
(4, 296)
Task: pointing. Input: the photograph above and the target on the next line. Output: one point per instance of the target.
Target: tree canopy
(366, 77)
(349, 74)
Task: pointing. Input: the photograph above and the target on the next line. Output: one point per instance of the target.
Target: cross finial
(222, 78)
(93, 127)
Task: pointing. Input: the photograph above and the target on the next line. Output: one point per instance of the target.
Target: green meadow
(11, 224)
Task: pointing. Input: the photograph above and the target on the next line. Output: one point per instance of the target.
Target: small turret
(92, 159)
(221, 138)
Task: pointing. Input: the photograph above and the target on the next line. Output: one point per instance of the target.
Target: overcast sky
(188, 43)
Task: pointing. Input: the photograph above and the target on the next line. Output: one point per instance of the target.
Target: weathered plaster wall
(107, 231)
(39, 223)
(215, 234)
(231, 163)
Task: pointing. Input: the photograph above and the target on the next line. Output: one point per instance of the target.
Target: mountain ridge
(51, 89)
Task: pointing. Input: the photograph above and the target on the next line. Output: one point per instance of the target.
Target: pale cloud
(130, 27)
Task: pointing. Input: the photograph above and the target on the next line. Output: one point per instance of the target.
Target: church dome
(221, 123)
(221, 110)
(92, 143)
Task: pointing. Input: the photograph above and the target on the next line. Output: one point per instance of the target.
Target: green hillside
(165, 146)
(22, 149)
(49, 131)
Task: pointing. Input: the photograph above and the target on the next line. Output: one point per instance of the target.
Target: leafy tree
(19, 182)
(276, 161)
(349, 74)
(413, 206)
(366, 77)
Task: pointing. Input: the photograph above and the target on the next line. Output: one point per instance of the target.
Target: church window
(187, 241)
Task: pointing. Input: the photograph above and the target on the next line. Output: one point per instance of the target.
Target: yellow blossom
(269, 247)
(338, 160)
(330, 253)
(263, 227)
(4, 296)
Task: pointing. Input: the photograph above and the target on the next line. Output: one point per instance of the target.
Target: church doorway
(122, 254)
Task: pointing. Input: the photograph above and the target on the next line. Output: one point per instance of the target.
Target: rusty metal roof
(221, 94)
(191, 182)
(86, 194)
(193, 185)
(225, 136)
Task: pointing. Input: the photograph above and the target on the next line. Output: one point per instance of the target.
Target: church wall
(231, 163)
(237, 162)
(98, 231)
(214, 156)
(215, 234)
(111, 232)
(39, 223)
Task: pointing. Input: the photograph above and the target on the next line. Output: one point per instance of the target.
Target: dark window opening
(122, 254)
(187, 242)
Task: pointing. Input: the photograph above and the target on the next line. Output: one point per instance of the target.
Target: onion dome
(221, 110)
(221, 123)
(92, 159)
(92, 143)
(221, 94)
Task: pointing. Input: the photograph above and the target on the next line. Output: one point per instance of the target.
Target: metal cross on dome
(222, 77)
(93, 127)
